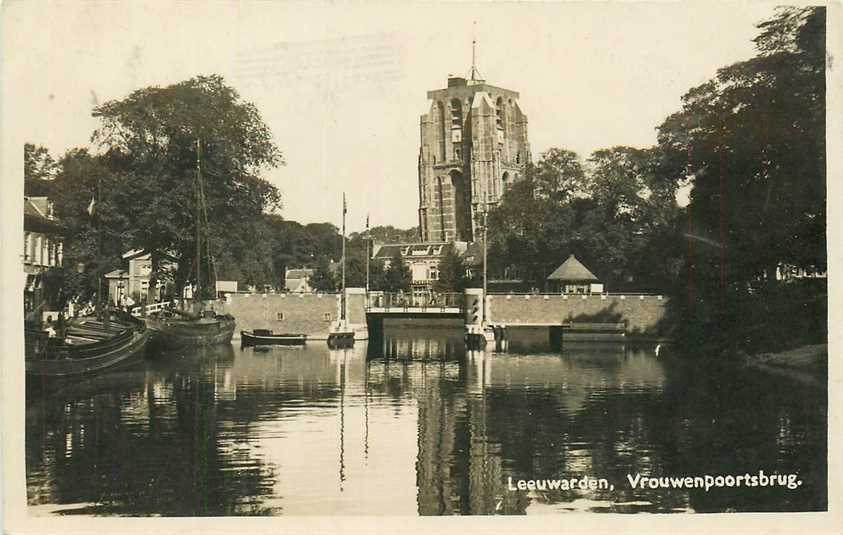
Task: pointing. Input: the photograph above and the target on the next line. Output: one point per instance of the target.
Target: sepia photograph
(366, 262)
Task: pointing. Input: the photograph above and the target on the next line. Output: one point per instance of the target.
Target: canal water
(415, 425)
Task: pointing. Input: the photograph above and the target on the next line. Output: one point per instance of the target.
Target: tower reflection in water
(414, 425)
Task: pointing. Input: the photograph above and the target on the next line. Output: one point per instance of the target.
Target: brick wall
(309, 314)
(643, 315)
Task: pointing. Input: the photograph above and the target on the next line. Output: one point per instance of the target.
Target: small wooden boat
(89, 346)
(264, 337)
(203, 327)
(177, 331)
(341, 340)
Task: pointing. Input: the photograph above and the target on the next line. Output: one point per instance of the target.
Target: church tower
(473, 147)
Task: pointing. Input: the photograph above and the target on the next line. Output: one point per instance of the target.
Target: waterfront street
(429, 430)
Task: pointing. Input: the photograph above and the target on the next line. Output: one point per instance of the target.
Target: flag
(91, 206)
(344, 205)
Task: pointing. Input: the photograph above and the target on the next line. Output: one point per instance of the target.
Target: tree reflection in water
(417, 425)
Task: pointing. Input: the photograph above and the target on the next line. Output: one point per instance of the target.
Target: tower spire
(475, 74)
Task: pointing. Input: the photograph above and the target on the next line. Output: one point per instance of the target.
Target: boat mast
(198, 293)
(100, 273)
(485, 254)
(367, 255)
(342, 308)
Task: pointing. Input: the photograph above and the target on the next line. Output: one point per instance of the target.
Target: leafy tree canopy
(152, 140)
(752, 141)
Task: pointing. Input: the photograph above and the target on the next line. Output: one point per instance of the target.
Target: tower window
(456, 114)
(440, 108)
(500, 115)
(458, 153)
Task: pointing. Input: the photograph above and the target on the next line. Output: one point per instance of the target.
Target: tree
(397, 276)
(517, 236)
(390, 234)
(558, 175)
(452, 273)
(605, 212)
(37, 163)
(94, 241)
(752, 141)
(153, 139)
(323, 278)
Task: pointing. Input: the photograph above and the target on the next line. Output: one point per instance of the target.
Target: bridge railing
(155, 307)
(406, 301)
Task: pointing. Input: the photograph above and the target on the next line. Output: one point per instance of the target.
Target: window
(37, 251)
(279, 316)
(27, 247)
(456, 114)
(326, 316)
(458, 153)
(440, 108)
(456, 121)
(500, 116)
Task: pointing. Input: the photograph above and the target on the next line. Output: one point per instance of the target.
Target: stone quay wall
(313, 314)
(644, 315)
(310, 314)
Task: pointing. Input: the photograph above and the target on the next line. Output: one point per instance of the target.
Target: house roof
(473, 254)
(296, 285)
(134, 253)
(117, 274)
(36, 217)
(32, 209)
(572, 270)
(302, 273)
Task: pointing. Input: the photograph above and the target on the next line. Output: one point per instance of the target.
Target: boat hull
(251, 339)
(341, 340)
(173, 333)
(115, 357)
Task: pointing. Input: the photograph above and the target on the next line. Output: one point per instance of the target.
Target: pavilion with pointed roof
(572, 277)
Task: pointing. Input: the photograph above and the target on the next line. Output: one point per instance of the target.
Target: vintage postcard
(355, 267)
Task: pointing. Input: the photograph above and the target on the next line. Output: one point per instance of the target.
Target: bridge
(642, 315)
(415, 304)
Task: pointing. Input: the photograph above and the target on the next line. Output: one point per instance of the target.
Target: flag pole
(368, 252)
(96, 213)
(342, 308)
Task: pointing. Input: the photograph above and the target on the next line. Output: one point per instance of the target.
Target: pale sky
(342, 86)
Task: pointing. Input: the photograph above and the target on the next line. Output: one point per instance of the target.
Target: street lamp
(482, 226)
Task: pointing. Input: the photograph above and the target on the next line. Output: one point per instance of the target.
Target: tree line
(747, 148)
(136, 189)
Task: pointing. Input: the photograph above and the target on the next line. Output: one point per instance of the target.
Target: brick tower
(473, 146)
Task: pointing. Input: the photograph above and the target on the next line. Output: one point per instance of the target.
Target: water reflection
(415, 425)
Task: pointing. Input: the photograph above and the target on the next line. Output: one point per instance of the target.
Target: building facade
(298, 280)
(42, 248)
(422, 259)
(473, 146)
(133, 283)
